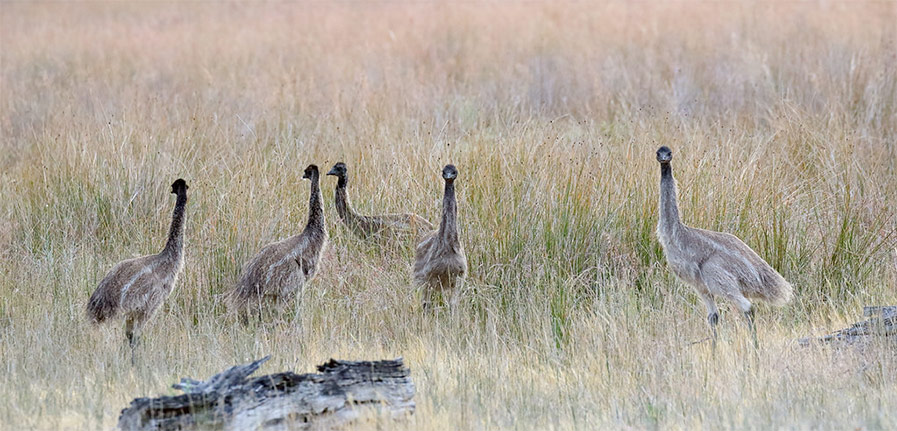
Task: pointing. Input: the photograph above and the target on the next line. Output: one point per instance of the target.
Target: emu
(282, 269)
(439, 260)
(374, 226)
(135, 288)
(714, 263)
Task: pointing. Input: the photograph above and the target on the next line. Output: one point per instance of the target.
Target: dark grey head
(339, 170)
(664, 155)
(449, 173)
(179, 186)
(311, 172)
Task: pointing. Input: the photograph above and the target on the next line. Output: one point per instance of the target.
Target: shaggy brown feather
(279, 272)
(135, 288)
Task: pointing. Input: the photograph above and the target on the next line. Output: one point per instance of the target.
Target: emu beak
(333, 172)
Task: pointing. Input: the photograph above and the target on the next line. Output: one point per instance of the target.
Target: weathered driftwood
(882, 324)
(341, 391)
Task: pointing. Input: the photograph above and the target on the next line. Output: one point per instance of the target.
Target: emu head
(179, 186)
(664, 154)
(339, 170)
(449, 173)
(310, 172)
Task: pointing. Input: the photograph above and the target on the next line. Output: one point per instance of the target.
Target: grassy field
(782, 119)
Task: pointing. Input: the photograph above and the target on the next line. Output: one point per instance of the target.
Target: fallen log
(882, 324)
(341, 392)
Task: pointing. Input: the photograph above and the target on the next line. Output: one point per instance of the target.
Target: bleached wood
(883, 324)
(341, 392)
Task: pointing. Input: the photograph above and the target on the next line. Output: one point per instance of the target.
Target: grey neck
(343, 206)
(669, 210)
(448, 228)
(175, 244)
(315, 204)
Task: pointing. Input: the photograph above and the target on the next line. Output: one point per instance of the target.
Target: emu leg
(133, 339)
(436, 292)
(748, 309)
(712, 315)
(749, 315)
(453, 288)
(428, 294)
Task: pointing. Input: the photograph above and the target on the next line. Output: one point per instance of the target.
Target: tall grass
(782, 118)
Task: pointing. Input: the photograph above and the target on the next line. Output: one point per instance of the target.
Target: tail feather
(779, 292)
(770, 286)
(102, 306)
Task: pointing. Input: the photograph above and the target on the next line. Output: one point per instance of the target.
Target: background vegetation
(782, 118)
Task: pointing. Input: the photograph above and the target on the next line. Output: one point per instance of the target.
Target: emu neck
(175, 245)
(669, 210)
(315, 204)
(448, 228)
(343, 206)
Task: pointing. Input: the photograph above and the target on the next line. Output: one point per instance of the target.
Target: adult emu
(135, 288)
(373, 226)
(439, 260)
(714, 263)
(282, 269)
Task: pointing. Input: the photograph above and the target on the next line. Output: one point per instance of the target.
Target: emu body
(439, 260)
(373, 226)
(715, 264)
(282, 269)
(135, 288)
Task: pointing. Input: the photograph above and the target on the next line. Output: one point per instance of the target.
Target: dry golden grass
(782, 118)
